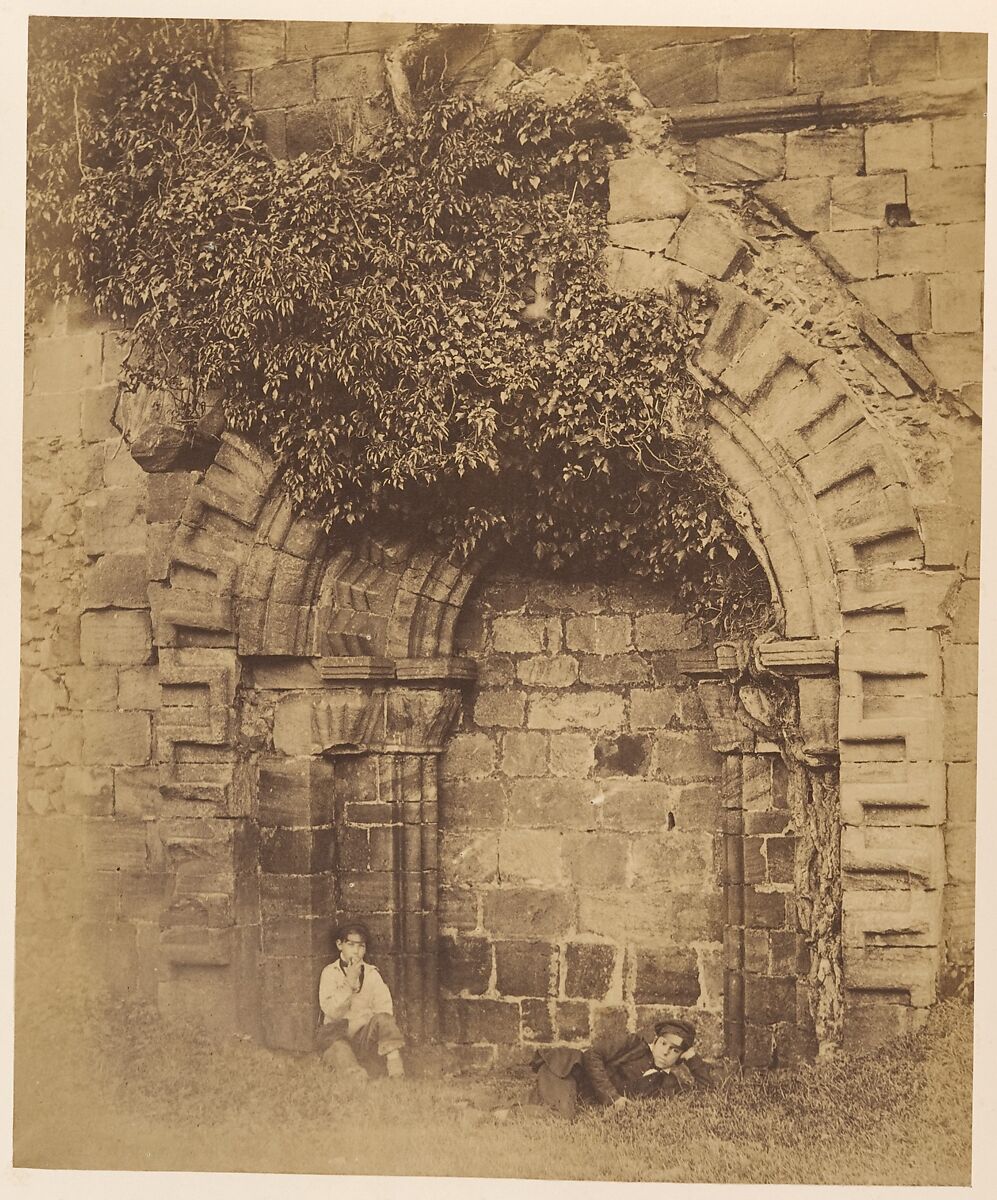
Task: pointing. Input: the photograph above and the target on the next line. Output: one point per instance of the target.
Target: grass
(128, 1092)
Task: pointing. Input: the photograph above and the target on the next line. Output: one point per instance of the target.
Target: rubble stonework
(235, 730)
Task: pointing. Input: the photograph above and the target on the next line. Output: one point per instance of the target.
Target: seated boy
(358, 1024)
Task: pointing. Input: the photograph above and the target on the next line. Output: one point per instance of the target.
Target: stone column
(782, 943)
(387, 827)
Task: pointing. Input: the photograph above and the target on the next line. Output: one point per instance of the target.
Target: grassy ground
(132, 1094)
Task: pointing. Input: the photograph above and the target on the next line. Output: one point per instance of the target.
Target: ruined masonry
(562, 809)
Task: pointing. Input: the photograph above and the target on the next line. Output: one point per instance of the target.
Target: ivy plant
(419, 331)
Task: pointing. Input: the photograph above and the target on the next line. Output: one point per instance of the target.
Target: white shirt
(338, 1000)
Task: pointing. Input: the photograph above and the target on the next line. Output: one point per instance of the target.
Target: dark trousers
(365, 1049)
(553, 1091)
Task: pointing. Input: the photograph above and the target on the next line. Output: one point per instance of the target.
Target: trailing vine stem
(768, 706)
(373, 317)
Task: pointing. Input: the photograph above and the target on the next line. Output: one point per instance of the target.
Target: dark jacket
(620, 1066)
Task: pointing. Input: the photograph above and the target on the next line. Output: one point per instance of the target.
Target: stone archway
(357, 643)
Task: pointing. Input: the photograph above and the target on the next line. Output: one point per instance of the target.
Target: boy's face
(352, 949)
(666, 1050)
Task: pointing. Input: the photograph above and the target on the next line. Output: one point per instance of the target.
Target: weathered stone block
(136, 792)
(963, 247)
(168, 492)
(97, 408)
(946, 196)
(649, 236)
(905, 147)
(116, 738)
(524, 968)
(500, 708)
(469, 857)
(582, 710)
(823, 152)
(859, 202)
(643, 188)
(804, 203)
(457, 907)
(962, 55)
(831, 59)
(519, 912)
(697, 807)
(68, 365)
(573, 1021)
(598, 634)
(682, 861)
(558, 671)
(852, 255)
(524, 754)
(769, 1000)
(685, 756)
(756, 66)
(468, 756)
(745, 157)
(957, 302)
(378, 35)
(117, 581)
(707, 243)
(285, 851)
(552, 803)
(634, 805)
(918, 248)
(349, 75)
(961, 786)
(960, 729)
(955, 359)
(666, 977)
(900, 301)
(765, 910)
(52, 416)
(902, 918)
(623, 754)
(284, 85)
(114, 520)
(536, 1021)
(466, 964)
(571, 754)
(666, 631)
(596, 859)
(477, 805)
(138, 687)
(253, 44)
(115, 637)
(529, 856)
(492, 1021)
(893, 857)
(897, 56)
(588, 969)
(88, 791)
(315, 39)
(652, 709)
(520, 635)
(613, 670)
(672, 76)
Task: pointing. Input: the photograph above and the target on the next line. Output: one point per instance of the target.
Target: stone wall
(847, 237)
(579, 812)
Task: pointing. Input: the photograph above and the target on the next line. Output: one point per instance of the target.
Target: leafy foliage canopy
(418, 329)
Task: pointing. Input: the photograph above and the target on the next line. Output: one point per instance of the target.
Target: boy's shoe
(394, 1064)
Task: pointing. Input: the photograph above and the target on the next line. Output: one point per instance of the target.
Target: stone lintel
(355, 668)
(799, 656)
(849, 106)
(350, 669)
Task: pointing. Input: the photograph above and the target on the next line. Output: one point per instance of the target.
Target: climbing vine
(417, 329)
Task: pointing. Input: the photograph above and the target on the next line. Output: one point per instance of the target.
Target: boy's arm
(594, 1064)
(334, 993)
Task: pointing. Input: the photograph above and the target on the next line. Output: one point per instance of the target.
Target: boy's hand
(687, 1054)
(619, 1103)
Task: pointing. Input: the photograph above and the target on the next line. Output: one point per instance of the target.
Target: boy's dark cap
(684, 1029)
(345, 928)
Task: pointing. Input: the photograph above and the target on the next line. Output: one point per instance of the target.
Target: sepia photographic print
(500, 577)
